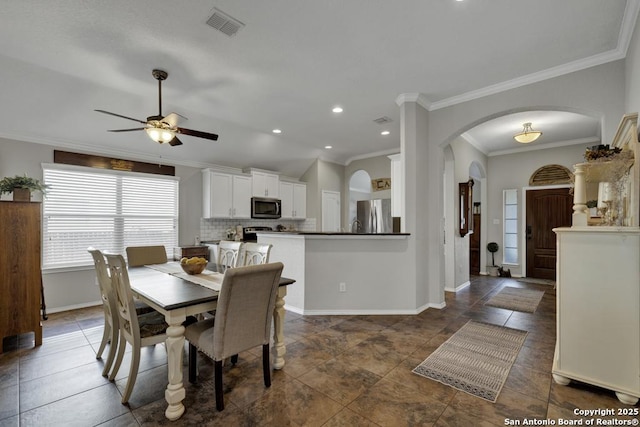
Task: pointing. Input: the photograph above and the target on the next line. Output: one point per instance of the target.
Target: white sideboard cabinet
(598, 309)
(598, 280)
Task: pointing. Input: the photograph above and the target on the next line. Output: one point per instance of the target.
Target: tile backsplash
(216, 229)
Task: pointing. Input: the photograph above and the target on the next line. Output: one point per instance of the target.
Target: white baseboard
(73, 307)
(458, 288)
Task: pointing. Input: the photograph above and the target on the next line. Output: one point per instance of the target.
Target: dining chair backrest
(143, 255)
(255, 253)
(104, 282)
(245, 308)
(125, 307)
(228, 254)
(111, 322)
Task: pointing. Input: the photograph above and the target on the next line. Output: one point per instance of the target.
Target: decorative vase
(21, 195)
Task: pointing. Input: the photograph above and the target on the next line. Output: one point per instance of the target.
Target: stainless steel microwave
(264, 207)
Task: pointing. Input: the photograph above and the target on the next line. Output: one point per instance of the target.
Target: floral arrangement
(7, 184)
(600, 151)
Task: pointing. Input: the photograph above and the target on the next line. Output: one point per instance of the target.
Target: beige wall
(632, 74)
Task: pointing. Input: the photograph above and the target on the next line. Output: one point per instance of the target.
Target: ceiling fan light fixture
(160, 135)
(527, 135)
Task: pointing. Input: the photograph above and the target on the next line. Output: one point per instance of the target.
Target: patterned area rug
(476, 359)
(517, 299)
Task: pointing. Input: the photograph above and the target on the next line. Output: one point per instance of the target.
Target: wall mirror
(465, 191)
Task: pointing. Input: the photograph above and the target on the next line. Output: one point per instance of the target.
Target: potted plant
(493, 248)
(592, 205)
(21, 187)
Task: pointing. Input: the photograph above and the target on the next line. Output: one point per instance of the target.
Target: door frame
(323, 202)
(523, 225)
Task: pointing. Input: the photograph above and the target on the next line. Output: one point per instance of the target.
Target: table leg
(278, 329)
(175, 393)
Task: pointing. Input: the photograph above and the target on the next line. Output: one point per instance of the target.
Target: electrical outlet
(343, 287)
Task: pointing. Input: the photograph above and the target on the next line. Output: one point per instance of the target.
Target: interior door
(330, 211)
(546, 210)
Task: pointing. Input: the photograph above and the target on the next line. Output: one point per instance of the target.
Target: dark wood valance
(102, 162)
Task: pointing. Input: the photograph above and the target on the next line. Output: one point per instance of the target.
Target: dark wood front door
(546, 210)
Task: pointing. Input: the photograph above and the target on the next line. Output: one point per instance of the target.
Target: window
(510, 198)
(106, 209)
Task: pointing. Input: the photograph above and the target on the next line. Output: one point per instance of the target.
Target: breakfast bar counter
(346, 273)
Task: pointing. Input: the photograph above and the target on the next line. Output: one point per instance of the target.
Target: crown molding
(416, 97)
(533, 147)
(620, 52)
(125, 154)
(474, 143)
(371, 155)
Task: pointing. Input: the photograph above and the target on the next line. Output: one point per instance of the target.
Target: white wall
(598, 92)
(465, 155)
(632, 73)
(77, 288)
(513, 171)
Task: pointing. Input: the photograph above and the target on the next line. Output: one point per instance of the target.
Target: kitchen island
(346, 273)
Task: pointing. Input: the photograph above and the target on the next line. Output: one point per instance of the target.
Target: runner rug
(476, 359)
(517, 299)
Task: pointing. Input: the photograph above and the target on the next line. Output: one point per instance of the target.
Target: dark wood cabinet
(191, 251)
(474, 246)
(20, 272)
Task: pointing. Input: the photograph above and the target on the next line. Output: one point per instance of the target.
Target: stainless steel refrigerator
(374, 216)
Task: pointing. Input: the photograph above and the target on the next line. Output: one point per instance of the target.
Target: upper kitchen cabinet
(226, 195)
(264, 184)
(294, 200)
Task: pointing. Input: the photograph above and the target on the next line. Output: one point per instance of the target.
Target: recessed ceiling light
(276, 131)
(385, 132)
(337, 109)
(328, 147)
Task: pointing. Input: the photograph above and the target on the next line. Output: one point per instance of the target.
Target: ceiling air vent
(224, 23)
(383, 120)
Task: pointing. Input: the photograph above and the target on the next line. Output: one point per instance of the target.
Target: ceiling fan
(162, 128)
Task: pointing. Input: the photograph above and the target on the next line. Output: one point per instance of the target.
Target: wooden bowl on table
(193, 265)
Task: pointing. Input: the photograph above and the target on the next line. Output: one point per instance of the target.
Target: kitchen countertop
(335, 233)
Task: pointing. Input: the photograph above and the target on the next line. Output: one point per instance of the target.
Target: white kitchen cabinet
(598, 309)
(226, 195)
(294, 200)
(265, 184)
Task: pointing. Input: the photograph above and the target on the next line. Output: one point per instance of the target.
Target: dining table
(176, 294)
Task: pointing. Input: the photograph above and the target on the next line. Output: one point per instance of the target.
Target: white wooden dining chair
(242, 321)
(144, 255)
(228, 254)
(111, 324)
(255, 253)
(137, 330)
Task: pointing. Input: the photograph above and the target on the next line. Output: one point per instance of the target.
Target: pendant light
(527, 135)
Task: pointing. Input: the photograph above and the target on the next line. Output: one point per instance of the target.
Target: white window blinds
(106, 209)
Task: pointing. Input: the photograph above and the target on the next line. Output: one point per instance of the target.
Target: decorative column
(580, 210)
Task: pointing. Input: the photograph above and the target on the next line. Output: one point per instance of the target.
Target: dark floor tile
(126, 420)
(89, 408)
(9, 402)
(32, 368)
(48, 389)
(388, 403)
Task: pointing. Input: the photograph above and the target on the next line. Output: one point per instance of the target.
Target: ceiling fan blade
(120, 115)
(197, 133)
(173, 118)
(175, 141)
(124, 130)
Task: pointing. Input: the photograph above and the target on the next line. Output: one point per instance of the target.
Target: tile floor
(340, 371)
